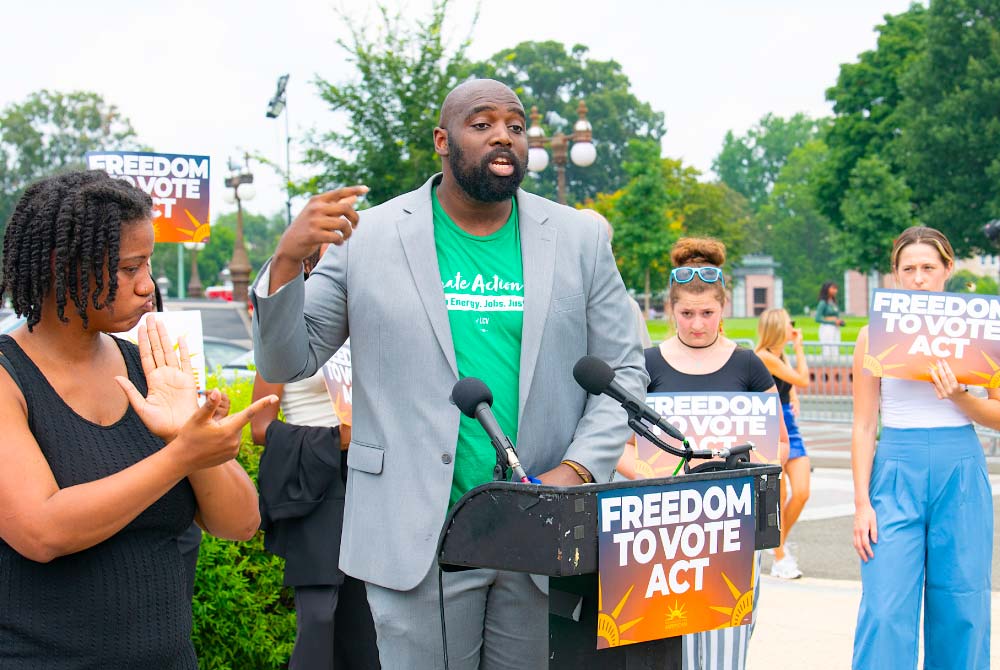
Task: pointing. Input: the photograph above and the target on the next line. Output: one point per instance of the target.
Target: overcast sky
(195, 76)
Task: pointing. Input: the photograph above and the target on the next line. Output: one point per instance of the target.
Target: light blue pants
(934, 513)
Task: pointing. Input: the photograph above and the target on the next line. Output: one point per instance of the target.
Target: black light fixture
(274, 108)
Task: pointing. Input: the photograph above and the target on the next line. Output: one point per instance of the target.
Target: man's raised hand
(328, 218)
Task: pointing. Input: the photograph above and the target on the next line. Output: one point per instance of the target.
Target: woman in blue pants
(923, 522)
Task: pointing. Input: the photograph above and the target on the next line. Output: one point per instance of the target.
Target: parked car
(219, 352)
(237, 369)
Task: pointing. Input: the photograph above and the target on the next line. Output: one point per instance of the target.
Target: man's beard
(479, 182)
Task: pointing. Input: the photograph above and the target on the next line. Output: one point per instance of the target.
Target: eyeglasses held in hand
(707, 274)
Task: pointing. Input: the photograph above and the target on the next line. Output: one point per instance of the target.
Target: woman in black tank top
(107, 457)
(700, 358)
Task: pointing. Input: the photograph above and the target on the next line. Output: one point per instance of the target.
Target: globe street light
(194, 287)
(582, 153)
(241, 181)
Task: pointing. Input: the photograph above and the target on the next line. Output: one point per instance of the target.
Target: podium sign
(674, 559)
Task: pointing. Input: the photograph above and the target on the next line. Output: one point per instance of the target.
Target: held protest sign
(177, 183)
(908, 331)
(712, 421)
(338, 378)
(674, 559)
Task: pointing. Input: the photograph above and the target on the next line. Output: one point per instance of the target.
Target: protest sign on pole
(178, 184)
(910, 331)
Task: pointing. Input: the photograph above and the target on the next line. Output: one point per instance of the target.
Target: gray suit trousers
(495, 620)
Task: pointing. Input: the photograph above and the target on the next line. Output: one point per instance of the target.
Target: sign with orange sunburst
(178, 184)
(339, 380)
(910, 332)
(711, 421)
(674, 559)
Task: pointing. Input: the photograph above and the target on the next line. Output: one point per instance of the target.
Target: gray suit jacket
(383, 288)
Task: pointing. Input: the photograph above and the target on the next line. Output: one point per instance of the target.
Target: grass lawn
(746, 328)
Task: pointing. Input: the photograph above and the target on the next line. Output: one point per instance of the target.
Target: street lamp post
(241, 181)
(582, 153)
(194, 287)
(275, 106)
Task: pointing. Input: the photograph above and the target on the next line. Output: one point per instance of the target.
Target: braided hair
(65, 234)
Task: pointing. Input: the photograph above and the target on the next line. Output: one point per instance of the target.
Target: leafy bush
(243, 617)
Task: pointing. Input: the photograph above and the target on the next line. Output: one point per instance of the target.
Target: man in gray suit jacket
(466, 276)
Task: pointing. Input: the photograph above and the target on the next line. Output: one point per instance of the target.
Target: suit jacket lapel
(538, 259)
(416, 232)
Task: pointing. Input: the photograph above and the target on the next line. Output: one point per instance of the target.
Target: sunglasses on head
(707, 274)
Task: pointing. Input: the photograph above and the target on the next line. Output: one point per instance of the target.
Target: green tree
(51, 131)
(950, 144)
(866, 102)
(712, 209)
(966, 281)
(403, 75)
(645, 215)
(800, 237)
(749, 164)
(548, 76)
(875, 209)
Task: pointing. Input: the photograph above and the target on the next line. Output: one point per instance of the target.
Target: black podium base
(573, 632)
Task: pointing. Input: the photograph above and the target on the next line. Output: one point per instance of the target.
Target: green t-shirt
(824, 310)
(483, 286)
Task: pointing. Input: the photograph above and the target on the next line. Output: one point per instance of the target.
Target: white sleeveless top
(307, 402)
(906, 403)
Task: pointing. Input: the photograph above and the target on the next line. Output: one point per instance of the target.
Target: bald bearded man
(468, 276)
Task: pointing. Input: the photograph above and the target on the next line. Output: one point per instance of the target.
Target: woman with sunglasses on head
(106, 455)
(700, 358)
(775, 329)
(923, 521)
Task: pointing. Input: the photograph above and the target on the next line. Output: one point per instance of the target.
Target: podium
(553, 531)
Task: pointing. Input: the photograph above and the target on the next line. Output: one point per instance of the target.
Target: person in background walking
(923, 521)
(774, 330)
(828, 318)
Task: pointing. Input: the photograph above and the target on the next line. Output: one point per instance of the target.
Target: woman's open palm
(172, 395)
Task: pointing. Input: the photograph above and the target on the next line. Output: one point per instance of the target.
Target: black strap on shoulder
(9, 367)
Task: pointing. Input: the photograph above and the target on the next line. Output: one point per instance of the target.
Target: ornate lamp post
(241, 181)
(194, 287)
(582, 153)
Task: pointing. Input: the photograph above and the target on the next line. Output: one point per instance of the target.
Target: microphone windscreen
(468, 393)
(593, 374)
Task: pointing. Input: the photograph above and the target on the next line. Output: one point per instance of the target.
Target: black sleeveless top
(742, 372)
(121, 603)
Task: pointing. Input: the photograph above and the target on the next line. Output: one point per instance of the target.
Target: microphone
(596, 377)
(474, 398)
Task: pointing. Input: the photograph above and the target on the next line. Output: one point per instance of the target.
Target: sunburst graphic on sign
(201, 230)
(743, 602)
(676, 612)
(608, 627)
(874, 365)
(647, 469)
(992, 379)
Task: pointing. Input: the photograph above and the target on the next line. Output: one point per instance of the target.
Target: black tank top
(121, 603)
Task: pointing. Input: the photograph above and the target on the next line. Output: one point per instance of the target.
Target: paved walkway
(808, 624)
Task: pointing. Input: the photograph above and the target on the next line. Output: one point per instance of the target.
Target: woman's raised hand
(172, 395)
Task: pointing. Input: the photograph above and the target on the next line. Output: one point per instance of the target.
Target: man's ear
(440, 141)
